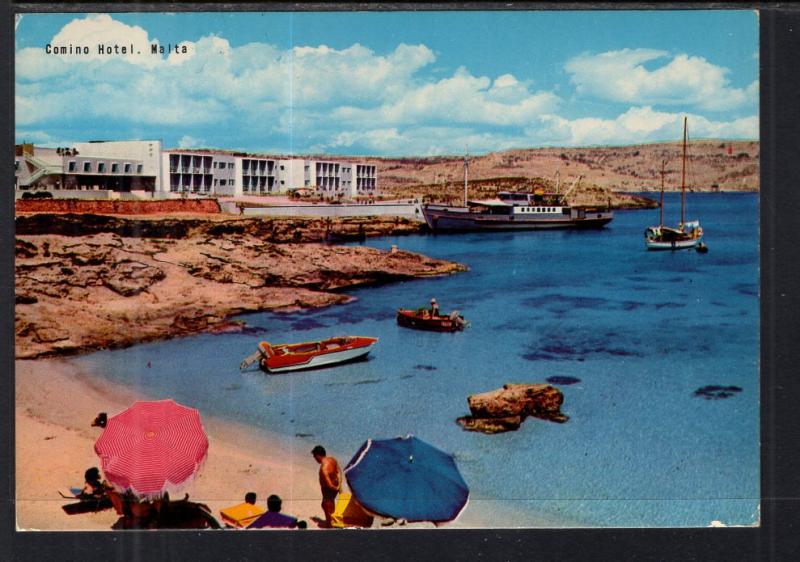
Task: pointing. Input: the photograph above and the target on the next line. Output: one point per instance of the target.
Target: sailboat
(688, 234)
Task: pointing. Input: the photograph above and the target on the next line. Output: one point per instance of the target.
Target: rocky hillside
(121, 283)
(712, 166)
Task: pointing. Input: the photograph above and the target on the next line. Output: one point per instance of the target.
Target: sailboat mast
(661, 216)
(466, 167)
(683, 177)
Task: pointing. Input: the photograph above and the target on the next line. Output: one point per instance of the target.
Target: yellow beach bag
(349, 513)
(241, 515)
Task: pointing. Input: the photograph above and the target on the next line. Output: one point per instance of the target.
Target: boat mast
(661, 216)
(683, 177)
(466, 167)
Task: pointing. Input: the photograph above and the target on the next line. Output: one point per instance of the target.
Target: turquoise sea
(649, 441)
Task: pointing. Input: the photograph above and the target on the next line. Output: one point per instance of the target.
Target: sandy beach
(55, 405)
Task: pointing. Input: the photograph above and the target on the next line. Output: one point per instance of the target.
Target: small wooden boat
(422, 319)
(310, 355)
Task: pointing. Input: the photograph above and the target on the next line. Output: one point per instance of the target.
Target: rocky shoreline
(88, 282)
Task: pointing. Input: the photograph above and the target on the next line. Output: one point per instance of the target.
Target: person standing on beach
(330, 481)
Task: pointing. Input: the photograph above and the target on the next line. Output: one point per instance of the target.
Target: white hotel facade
(145, 166)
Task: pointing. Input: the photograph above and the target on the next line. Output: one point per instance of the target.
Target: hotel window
(127, 168)
(87, 166)
(138, 168)
(230, 165)
(222, 182)
(114, 168)
(72, 166)
(101, 167)
(216, 182)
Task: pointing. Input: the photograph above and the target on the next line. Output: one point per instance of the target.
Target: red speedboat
(422, 319)
(311, 355)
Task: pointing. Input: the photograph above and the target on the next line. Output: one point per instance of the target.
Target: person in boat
(94, 487)
(330, 481)
(274, 518)
(434, 308)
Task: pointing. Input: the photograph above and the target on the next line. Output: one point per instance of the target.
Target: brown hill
(712, 165)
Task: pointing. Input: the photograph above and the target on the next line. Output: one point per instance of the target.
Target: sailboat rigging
(686, 234)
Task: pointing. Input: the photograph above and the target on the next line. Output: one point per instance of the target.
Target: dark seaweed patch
(301, 435)
(562, 380)
(718, 303)
(421, 367)
(661, 305)
(407, 377)
(561, 304)
(637, 278)
(250, 330)
(365, 381)
(714, 392)
(748, 289)
(305, 324)
(368, 381)
(233, 387)
(562, 350)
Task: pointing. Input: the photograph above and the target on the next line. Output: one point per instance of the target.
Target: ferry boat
(310, 355)
(514, 211)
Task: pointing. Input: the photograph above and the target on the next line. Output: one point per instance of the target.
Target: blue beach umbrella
(406, 478)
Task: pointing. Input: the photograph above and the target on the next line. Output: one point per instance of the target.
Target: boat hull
(673, 244)
(409, 319)
(665, 238)
(449, 220)
(357, 349)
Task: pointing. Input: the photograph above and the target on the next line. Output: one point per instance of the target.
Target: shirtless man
(330, 481)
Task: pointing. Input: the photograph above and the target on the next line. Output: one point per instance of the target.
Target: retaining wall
(118, 207)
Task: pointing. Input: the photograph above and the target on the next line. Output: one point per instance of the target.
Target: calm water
(642, 331)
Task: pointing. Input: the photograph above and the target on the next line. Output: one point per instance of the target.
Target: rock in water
(504, 409)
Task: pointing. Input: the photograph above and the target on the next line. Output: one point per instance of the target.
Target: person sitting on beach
(101, 420)
(330, 481)
(94, 487)
(243, 514)
(273, 518)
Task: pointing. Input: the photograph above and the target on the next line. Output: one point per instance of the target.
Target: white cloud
(320, 98)
(41, 138)
(461, 98)
(621, 76)
(638, 125)
(188, 141)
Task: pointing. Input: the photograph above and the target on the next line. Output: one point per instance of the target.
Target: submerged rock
(506, 408)
(715, 392)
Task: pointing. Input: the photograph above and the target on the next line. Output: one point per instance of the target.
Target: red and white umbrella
(152, 448)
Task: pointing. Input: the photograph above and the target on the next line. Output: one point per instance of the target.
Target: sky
(389, 83)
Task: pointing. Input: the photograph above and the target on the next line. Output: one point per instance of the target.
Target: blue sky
(393, 83)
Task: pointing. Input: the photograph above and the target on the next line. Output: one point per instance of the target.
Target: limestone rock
(504, 409)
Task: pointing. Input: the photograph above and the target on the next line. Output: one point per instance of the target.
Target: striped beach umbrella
(407, 478)
(152, 448)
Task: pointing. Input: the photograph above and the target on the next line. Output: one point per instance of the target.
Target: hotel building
(125, 166)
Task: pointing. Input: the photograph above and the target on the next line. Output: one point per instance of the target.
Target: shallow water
(641, 332)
